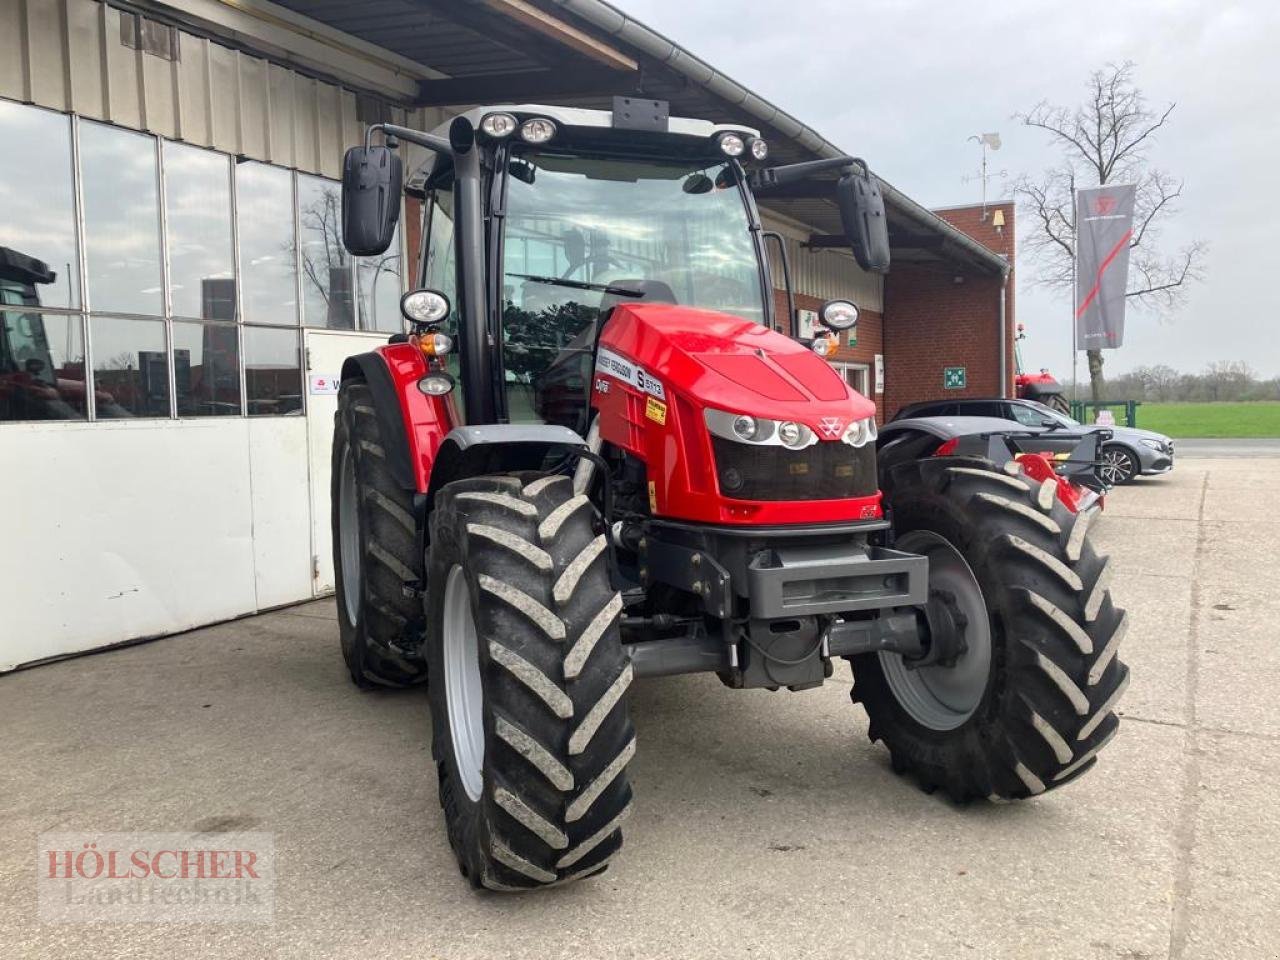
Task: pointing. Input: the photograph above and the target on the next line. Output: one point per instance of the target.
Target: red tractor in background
(1037, 386)
(594, 459)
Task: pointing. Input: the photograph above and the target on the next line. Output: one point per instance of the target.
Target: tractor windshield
(582, 231)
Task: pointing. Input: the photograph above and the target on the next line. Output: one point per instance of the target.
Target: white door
(325, 351)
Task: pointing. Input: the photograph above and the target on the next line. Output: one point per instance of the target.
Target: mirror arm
(795, 172)
(430, 141)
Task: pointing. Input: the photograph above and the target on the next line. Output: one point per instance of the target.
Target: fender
(496, 448)
(412, 424)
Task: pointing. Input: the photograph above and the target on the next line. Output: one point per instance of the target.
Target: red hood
(733, 364)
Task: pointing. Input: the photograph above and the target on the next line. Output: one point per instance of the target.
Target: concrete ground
(766, 824)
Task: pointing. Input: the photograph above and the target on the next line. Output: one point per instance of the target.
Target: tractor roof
(585, 128)
(597, 119)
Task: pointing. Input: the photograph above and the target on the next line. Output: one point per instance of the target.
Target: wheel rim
(1116, 466)
(464, 693)
(936, 696)
(349, 535)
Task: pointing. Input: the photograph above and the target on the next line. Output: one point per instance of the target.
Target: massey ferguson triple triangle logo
(830, 426)
(1104, 205)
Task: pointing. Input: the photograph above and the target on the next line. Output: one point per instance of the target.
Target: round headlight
(860, 432)
(759, 149)
(746, 427)
(537, 130)
(436, 384)
(824, 346)
(731, 145)
(498, 125)
(424, 306)
(791, 434)
(839, 314)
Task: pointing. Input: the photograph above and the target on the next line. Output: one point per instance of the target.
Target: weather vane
(987, 141)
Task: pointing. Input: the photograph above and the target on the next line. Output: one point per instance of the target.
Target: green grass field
(1186, 420)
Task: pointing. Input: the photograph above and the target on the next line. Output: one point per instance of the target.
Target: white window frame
(861, 371)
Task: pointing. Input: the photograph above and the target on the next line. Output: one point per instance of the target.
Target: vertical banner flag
(1104, 227)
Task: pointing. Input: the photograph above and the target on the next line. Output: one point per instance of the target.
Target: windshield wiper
(579, 284)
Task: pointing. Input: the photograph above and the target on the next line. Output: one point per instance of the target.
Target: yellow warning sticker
(656, 411)
(653, 497)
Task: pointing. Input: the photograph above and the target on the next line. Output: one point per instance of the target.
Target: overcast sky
(904, 84)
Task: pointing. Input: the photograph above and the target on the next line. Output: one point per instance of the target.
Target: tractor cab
(539, 220)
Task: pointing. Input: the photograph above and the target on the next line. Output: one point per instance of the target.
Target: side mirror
(371, 185)
(862, 215)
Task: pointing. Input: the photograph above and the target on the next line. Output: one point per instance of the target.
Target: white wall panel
(122, 530)
(281, 510)
(118, 531)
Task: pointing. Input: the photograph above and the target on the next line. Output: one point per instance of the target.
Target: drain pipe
(1004, 336)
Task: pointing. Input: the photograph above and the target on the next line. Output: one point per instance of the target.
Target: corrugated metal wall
(68, 55)
(825, 274)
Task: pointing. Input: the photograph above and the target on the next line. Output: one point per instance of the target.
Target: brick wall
(942, 315)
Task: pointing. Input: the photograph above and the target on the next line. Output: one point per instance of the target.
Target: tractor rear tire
(1056, 401)
(531, 731)
(1046, 685)
(377, 563)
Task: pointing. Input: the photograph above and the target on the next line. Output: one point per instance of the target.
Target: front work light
(436, 384)
(731, 144)
(838, 314)
(759, 149)
(498, 125)
(537, 130)
(424, 306)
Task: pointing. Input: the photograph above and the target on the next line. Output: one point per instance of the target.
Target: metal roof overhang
(584, 52)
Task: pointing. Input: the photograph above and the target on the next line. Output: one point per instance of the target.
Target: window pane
(273, 371)
(121, 219)
(268, 268)
(130, 367)
(41, 367)
(326, 265)
(206, 369)
(37, 208)
(197, 197)
(378, 288)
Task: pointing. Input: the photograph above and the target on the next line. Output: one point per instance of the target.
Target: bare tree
(1106, 139)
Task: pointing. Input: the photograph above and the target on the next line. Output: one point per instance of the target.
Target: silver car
(1130, 453)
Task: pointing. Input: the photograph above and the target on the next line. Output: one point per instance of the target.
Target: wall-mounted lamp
(997, 221)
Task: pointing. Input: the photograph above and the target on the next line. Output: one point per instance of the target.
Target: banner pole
(1075, 256)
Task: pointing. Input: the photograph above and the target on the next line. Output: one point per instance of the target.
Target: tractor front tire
(1027, 705)
(377, 563)
(530, 728)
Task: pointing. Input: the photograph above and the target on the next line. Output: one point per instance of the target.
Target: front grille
(829, 470)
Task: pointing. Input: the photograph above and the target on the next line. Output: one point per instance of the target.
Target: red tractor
(594, 459)
(1041, 386)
